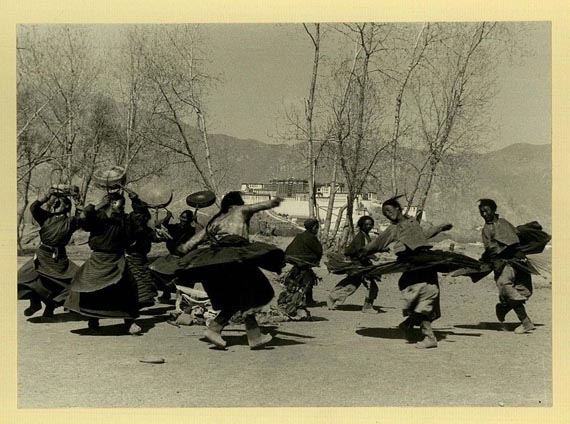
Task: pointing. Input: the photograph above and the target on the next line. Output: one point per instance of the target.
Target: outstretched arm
(261, 206)
(380, 243)
(196, 239)
(436, 229)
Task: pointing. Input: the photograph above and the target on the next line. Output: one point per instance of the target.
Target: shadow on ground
(121, 329)
(241, 340)
(493, 326)
(396, 333)
(63, 317)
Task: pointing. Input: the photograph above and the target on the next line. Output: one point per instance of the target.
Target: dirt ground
(342, 358)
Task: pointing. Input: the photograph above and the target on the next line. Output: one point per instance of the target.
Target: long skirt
(259, 254)
(237, 287)
(138, 271)
(46, 277)
(164, 270)
(230, 274)
(102, 288)
(297, 282)
(439, 260)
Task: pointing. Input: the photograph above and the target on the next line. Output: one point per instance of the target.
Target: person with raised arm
(227, 263)
(46, 277)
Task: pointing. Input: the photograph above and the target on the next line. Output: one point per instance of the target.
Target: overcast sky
(265, 66)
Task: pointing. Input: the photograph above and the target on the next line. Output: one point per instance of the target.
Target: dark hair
(311, 223)
(233, 198)
(187, 214)
(393, 201)
(488, 202)
(115, 195)
(362, 220)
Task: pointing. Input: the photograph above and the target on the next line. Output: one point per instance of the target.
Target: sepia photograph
(318, 214)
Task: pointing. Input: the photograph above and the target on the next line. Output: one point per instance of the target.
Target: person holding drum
(101, 288)
(46, 277)
(176, 234)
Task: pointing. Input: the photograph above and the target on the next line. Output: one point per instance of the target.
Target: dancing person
(140, 238)
(348, 285)
(46, 277)
(419, 287)
(227, 263)
(513, 281)
(101, 288)
(304, 252)
(165, 267)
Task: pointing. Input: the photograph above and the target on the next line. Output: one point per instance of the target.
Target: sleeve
(74, 223)
(432, 231)
(491, 246)
(138, 205)
(88, 219)
(381, 242)
(39, 214)
(196, 239)
(317, 248)
(357, 243)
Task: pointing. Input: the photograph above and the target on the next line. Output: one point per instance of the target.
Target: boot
(213, 333)
(35, 306)
(93, 323)
(331, 304)
(48, 310)
(367, 308)
(165, 297)
(501, 311)
(309, 301)
(255, 338)
(526, 324)
(429, 340)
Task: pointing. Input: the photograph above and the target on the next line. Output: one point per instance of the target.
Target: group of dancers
(116, 280)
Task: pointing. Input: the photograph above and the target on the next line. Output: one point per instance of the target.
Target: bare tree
(316, 40)
(173, 62)
(360, 149)
(424, 38)
(450, 97)
(61, 70)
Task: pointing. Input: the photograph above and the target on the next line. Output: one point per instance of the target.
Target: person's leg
(255, 337)
(369, 300)
(345, 287)
(35, 306)
(427, 295)
(502, 309)
(49, 308)
(512, 296)
(526, 324)
(309, 299)
(429, 340)
(407, 326)
(213, 331)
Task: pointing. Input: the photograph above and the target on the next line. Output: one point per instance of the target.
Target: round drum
(201, 199)
(110, 179)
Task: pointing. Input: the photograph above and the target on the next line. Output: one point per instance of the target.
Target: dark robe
(48, 275)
